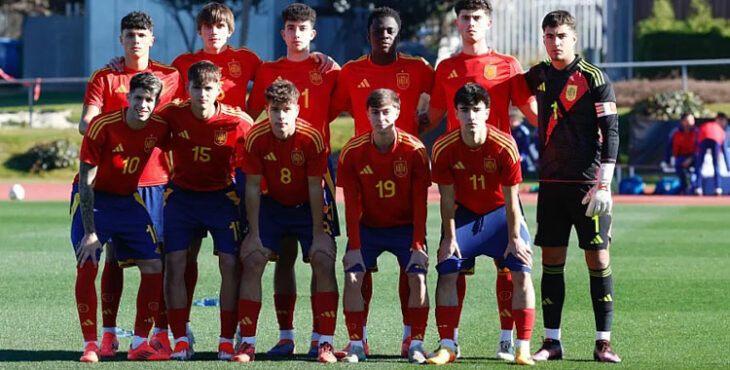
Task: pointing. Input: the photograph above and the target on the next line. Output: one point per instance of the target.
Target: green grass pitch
(670, 265)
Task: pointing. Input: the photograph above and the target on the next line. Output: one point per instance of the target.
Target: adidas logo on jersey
(367, 170)
(541, 87)
(184, 134)
(118, 149)
(363, 84)
(453, 74)
(459, 166)
(121, 90)
(270, 157)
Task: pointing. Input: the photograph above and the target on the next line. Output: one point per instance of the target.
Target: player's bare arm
(88, 113)
(427, 121)
(252, 242)
(90, 243)
(530, 111)
(516, 246)
(448, 246)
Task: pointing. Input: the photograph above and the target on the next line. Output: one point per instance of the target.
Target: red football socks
(403, 292)
(326, 305)
(460, 293)
(447, 319)
(315, 319)
(178, 318)
(354, 320)
(148, 295)
(524, 322)
(284, 305)
(228, 323)
(367, 294)
(112, 283)
(191, 279)
(86, 300)
(418, 318)
(248, 316)
(504, 298)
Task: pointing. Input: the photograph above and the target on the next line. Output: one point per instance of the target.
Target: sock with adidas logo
(602, 297)
(552, 294)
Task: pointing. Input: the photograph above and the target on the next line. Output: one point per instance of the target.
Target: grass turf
(670, 265)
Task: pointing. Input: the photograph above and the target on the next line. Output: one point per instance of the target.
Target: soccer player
(478, 171)
(680, 150)
(106, 206)
(302, 69)
(106, 92)
(200, 198)
(711, 136)
(385, 177)
(481, 64)
(290, 156)
(578, 131)
(384, 68)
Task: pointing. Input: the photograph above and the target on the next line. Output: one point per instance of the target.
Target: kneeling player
(106, 206)
(478, 171)
(290, 156)
(201, 198)
(385, 177)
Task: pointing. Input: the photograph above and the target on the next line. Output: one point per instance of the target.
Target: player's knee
(553, 256)
(520, 279)
(287, 254)
(194, 249)
(416, 280)
(227, 263)
(150, 266)
(175, 265)
(598, 259)
(254, 262)
(322, 262)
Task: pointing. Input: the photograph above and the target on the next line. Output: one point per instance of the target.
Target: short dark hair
(473, 5)
(213, 13)
(147, 82)
(298, 12)
(685, 115)
(203, 72)
(282, 92)
(471, 94)
(137, 21)
(382, 97)
(721, 115)
(384, 12)
(557, 18)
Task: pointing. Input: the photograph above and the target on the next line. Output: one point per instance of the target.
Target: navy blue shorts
(153, 197)
(121, 219)
(396, 240)
(483, 235)
(240, 183)
(189, 214)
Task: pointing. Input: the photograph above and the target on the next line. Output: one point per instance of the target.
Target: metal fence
(32, 83)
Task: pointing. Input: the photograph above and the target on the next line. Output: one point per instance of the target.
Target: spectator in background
(711, 135)
(525, 141)
(680, 149)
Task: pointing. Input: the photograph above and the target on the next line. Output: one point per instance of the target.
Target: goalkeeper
(578, 145)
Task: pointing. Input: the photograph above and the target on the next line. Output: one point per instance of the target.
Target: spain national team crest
(490, 165)
(297, 158)
(403, 80)
(490, 71)
(149, 143)
(220, 137)
(234, 68)
(315, 77)
(571, 91)
(400, 168)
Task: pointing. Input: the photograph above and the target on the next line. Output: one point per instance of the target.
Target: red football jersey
(108, 91)
(390, 189)
(315, 89)
(238, 67)
(119, 152)
(285, 165)
(477, 174)
(494, 72)
(684, 143)
(408, 76)
(204, 151)
(711, 130)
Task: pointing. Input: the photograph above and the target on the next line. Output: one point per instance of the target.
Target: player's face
(215, 36)
(472, 117)
(142, 103)
(383, 119)
(688, 122)
(283, 119)
(473, 25)
(559, 42)
(203, 95)
(383, 35)
(298, 34)
(137, 43)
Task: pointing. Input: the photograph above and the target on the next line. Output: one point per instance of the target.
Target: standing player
(290, 156)
(711, 136)
(383, 68)
(385, 169)
(302, 69)
(107, 91)
(481, 64)
(106, 206)
(578, 131)
(201, 198)
(478, 171)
